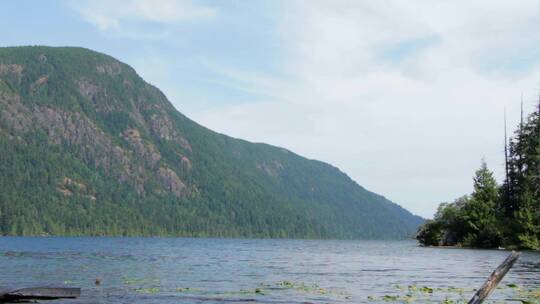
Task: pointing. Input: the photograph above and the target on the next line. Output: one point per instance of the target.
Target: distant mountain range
(88, 148)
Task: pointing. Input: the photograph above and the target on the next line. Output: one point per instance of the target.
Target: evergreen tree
(480, 216)
(524, 180)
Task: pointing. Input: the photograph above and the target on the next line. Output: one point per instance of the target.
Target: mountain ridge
(110, 155)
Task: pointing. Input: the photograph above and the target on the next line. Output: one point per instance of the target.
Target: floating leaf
(148, 290)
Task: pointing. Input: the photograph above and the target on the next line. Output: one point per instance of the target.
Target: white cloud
(406, 97)
(414, 127)
(121, 15)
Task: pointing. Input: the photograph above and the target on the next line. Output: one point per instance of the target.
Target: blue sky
(404, 96)
(180, 53)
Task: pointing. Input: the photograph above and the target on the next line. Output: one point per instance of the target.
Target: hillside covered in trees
(506, 215)
(88, 148)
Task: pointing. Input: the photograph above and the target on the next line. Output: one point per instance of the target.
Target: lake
(191, 270)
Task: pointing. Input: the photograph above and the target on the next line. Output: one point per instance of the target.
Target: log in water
(39, 293)
(496, 276)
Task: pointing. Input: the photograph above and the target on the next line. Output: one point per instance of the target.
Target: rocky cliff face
(102, 131)
(129, 156)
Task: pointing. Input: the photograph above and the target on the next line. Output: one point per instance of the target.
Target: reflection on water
(183, 270)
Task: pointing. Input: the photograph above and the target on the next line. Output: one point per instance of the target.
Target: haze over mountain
(88, 148)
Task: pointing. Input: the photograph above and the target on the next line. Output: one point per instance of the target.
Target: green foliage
(430, 233)
(479, 213)
(68, 111)
(496, 216)
(522, 194)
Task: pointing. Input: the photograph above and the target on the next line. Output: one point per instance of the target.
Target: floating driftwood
(39, 293)
(496, 276)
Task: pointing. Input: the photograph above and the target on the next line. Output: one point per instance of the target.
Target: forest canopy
(87, 147)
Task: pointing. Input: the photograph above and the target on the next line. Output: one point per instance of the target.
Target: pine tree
(481, 225)
(524, 181)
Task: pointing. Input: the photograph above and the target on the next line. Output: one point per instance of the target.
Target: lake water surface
(186, 270)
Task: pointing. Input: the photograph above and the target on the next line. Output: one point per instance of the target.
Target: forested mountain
(88, 148)
(493, 215)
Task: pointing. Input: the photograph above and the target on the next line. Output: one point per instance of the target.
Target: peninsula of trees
(493, 216)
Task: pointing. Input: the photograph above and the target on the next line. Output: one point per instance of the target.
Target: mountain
(88, 148)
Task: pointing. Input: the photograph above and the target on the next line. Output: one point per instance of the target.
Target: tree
(446, 228)
(481, 223)
(429, 234)
(523, 200)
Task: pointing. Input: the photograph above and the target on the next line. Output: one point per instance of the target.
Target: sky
(406, 97)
